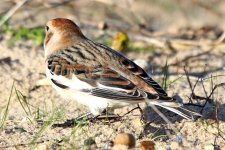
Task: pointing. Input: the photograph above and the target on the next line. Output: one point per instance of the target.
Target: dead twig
(221, 38)
(12, 11)
(215, 87)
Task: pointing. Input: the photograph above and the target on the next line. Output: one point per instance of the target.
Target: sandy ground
(23, 65)
(31, 122)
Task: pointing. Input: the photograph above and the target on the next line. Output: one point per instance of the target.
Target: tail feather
(174, 107)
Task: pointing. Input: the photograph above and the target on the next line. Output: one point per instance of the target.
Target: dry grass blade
(23, 102)
(189, 81)
(12, 11)
(7, 108)
(57, 114)
(215, 87)
(221, 38)
(165, 76)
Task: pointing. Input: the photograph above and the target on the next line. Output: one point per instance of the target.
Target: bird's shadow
(91, 119)
(209, 110)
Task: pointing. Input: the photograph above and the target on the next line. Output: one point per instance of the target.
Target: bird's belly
(95, 104)
(73, 92)
(90, 100)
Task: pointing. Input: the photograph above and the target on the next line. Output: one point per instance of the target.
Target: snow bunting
(96, 75)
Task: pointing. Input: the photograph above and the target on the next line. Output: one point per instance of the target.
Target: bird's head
(61, 33)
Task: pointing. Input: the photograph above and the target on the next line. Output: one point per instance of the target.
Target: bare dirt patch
(32, 110)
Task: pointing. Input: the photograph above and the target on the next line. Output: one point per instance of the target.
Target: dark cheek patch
(59, 85)
(48, 37)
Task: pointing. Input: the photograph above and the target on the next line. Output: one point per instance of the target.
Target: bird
(98, 76)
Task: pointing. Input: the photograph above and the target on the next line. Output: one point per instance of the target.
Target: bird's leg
(138, 107)
(118, 118)
(109, 115)
(141, 112)
(106, 114)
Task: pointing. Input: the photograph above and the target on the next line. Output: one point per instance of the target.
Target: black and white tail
(176, 108)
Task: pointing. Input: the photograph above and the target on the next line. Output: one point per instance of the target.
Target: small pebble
(41, 146)
(109, 144)
(147, 145)
(209, 147)
(89, 141)
(125, 139)
(102, 25)
(90, 144)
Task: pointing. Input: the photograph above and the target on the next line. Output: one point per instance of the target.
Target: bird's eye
(47, 28)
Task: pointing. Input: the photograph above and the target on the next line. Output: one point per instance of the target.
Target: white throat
(51, 45)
